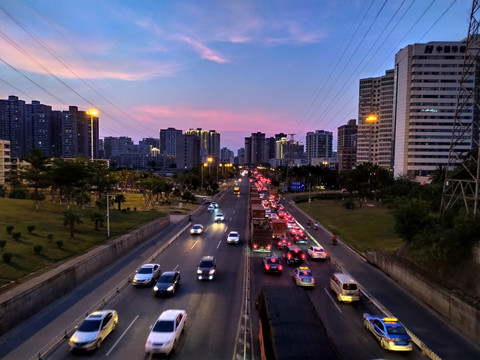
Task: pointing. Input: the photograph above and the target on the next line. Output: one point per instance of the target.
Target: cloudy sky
(235, 66)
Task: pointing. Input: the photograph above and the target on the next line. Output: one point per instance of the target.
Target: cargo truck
(260, 229)
(279, 228)
(290, 327)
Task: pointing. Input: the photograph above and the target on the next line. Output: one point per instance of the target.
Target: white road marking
(219, 244)
(195, 243)
(333, 300)
(120, 338)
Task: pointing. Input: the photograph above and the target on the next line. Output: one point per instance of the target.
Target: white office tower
(427, 80)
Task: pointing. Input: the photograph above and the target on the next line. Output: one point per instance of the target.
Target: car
(296, 230)
(233, 237)
(273, 216)
(272, 264)
(207, 200)
(317, 252)
(93, 330)
(166, 332)
(215, 205)
(391, 333)
(281, 213)
(291, 224)
(147, 275)
(294, 255)
(301, 238)
(283, 243)
(303, 276)
(167, 283)
(211, 208)
(207, 268)
(196, 229)
(219, 217)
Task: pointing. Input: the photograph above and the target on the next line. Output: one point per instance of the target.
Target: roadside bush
(30, 228)
(10, 229)
(7, 257)
(17, 235)
(37, 248)
(18, 194)
(59, 243)
(2, 244)
(3, 191)
(349, 204)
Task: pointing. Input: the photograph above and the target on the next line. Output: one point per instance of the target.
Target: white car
(317, 252)
(219, 217)
(147, 275)
(233, 237)
(211, 208)
(165, 332)
(196, 229)
(93, 330)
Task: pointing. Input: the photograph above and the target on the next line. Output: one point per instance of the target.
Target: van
(345, 287)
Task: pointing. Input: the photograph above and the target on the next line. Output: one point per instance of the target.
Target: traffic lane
(29, 338)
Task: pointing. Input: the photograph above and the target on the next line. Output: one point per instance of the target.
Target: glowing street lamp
(203, 165)
(371, 119)
(92, 113)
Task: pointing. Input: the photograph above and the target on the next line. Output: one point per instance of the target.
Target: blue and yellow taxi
(391, 333)
(303, 276)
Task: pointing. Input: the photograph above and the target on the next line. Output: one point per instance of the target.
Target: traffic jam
(290, 249)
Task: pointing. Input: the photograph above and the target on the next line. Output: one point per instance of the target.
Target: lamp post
(203, 165)
(92, 113)
(371, 119)
(221, 165)
(108, 217)
(209, 161)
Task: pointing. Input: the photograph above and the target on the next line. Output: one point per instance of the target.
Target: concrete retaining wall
(26, 299)
(461, 312)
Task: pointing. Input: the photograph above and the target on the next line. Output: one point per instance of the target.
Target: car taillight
(269, 247)
(267, 267)
(289, 256)
(280, 267)
(303, 256)
(255, 246)
(279, 243)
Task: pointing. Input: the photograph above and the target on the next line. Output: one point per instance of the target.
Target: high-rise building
(188, 152)
(70, 132)
(13, 125)
(347, 145)
(39, 127)
(209, 143)
(85, 125)
(240, 156)
(226, 156)
(168, 140)
(426, 88)
(375, 121)
(5, 161)
(319, 145)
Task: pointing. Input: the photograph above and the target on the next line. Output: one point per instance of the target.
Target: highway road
(222, 320)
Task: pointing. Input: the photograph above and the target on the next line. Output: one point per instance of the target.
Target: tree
(70, 218)
(35, 174)
(119, 199)
(97, 218)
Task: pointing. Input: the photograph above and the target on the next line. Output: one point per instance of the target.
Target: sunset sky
(235, 66)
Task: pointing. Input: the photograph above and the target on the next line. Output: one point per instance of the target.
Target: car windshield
(305, 273)
(206, 263)
(163, 326)
(90, 325)
(350, 286)
(165, 279)
(272, 261)
(396, 330)
(233, 234)
(145, 270)
(197, 227)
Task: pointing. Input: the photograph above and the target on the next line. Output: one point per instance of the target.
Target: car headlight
(199, 271)
(170, 288)
(155, 288)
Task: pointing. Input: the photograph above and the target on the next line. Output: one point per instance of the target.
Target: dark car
(301, 238)
(294, 255)
(168, 283)
(271, 264)
(207, 269)
(282, 243)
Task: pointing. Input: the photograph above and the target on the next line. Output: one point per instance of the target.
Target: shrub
(2, 244)
(10, 228)
(349, 204)
(3, 191)
(59, 243)
(18, 194)
(37, 248)
(7, 257)
(30, 228)
(50, 237)
(17, 235)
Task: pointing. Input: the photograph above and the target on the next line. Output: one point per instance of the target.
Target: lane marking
(195, 243)
(333, 301)
(121, 336)
(219, 244)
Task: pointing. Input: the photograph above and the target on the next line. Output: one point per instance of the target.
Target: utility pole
(464, 187)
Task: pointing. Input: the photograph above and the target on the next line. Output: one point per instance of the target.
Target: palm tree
(119, 199)
(97, 218)
(70, 218)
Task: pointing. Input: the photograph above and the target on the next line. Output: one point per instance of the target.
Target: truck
(279, 228)
(260, 229)
(289, 326)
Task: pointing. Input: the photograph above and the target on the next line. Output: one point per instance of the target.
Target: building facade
(5, 162)
(427, 80)
(375, 121)
(347, 145)
(319, 144)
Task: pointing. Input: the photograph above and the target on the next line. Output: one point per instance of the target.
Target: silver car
(196, 229)
(233, 237)
(93, 330)
(147, 275)
(219, 217)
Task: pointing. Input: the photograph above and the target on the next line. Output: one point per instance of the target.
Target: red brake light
(273, 260)
(267, 267)
(289, 256)
(280, 267)
(279, 243)
(296, 250)
(255, 246)
(303, 256)
(269, 247)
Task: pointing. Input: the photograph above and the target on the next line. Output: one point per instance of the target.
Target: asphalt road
(222, 320)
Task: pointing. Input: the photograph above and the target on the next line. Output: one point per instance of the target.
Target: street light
(371, 119)
(92, 113)
(203, 165)
(209, 160)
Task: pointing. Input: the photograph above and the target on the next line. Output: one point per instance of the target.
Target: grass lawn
(367, 228)
(49, 220)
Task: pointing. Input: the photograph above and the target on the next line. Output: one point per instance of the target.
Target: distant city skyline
(232, 66)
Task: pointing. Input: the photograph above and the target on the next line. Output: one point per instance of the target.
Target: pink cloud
(204, 51)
